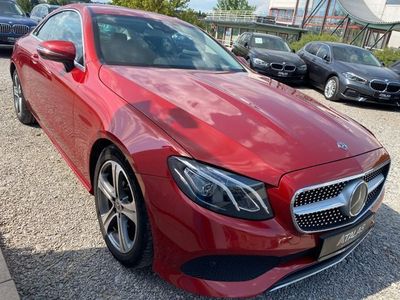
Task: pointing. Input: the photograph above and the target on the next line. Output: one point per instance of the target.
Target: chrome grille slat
(318, 208)
(5, 28)
(20, 29)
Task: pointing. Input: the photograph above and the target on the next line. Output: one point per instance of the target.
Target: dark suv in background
(270, 55)
(351, 73)
(14, 23)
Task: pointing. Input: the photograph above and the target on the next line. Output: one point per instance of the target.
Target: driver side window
(324, 53)
(64, 26)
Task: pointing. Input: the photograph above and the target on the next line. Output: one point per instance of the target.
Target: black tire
(332, 89)
(141, 253)
(20, 105)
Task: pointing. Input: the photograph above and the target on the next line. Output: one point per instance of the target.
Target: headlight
(354, 77)
(221, 191)
(303, 68)
(260, 62)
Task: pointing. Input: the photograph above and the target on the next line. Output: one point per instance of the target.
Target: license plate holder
(334, 242)
(283, 74)
(11, 39)
(384, 96)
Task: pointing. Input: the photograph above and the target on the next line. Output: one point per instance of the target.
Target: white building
(368, 23)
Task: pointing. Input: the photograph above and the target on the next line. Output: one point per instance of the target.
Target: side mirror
(293, 51)
(27, 14)
(59, 51)
(326, 58)
(246, 45)
(383, 64)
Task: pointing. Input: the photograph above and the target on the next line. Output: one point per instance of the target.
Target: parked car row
(341, 71)
(15, 23)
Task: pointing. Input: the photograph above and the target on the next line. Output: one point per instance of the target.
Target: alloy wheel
(330, 88)
(117, 206)
(17, 90)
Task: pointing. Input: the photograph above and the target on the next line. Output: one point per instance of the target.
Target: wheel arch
(12, 68)
(330, 75)
(98, 146)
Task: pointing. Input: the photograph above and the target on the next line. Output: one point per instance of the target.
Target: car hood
(241, 121)
(17, 20)
(369, 72)
(272, 56)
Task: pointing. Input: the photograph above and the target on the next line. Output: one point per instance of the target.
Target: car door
(52, 90)
(241, 49)
(322, 66)
(309, 56)
(236, 45)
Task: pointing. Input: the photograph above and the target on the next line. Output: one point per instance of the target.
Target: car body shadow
(75, 274)
(5, 52)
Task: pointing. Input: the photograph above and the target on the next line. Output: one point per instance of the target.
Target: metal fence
(239, 16)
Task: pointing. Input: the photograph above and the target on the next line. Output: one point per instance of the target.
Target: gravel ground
(52, 243)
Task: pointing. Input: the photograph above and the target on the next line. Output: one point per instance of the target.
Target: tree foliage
(312, 37)
(25, 5)
(166, 7)
(388, 55)
(174, 8)
(233, 5)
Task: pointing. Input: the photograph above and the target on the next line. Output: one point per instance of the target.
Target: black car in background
(270, 55)
(351, 73)
(396, 67)
(41, 10)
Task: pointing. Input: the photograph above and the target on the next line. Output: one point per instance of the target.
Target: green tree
(174, 8)
(166, 7)
(25, 5)
(233, 5)
(193, 17)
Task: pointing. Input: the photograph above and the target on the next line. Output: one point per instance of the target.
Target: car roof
(123, 11)
(338, 44)
(47, 5)
(264, 34)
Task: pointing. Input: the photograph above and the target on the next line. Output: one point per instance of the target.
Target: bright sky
(206, 5)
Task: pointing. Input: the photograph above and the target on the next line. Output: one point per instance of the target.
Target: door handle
(35, 58)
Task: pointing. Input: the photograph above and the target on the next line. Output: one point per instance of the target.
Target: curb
(8, 291)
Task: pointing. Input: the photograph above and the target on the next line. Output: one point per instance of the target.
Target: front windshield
(10, 9)
(355, 56)
(270, 43)
(135, 41)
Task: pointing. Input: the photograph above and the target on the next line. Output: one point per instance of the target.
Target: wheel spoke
(122, 233)
(107, 218)
(129, 210)
(106, 188)
(115, 171)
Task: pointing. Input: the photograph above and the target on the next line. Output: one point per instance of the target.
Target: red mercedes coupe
(227, 182)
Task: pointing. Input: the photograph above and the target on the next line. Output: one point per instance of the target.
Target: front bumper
(353, 91)
(296, 77)
(214, 255)
(9, 39)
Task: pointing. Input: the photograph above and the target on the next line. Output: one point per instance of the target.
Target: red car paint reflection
(239, 122)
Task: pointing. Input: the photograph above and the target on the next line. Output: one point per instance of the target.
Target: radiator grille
(330, 218)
